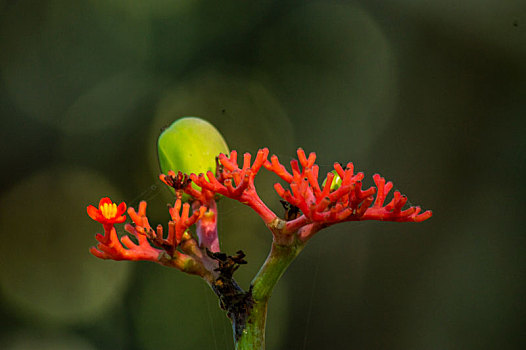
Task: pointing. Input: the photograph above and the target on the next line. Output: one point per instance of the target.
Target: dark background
(431, 94)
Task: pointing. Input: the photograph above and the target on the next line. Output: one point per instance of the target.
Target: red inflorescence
(310, 206)
(237, 183)
(348, 202)
(111, 247)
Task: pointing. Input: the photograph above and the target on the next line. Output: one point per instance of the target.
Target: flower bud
(190, 145)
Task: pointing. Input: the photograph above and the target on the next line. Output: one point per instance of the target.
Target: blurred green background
(431, 94)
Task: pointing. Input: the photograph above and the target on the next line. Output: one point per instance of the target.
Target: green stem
(279, 258)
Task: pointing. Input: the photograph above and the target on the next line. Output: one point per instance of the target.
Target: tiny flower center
(108, 210)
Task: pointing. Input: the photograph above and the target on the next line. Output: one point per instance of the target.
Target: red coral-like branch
(348, 202)
(237, 183)
(111, 247)
(206, 228)
(392, 211)
(125, 248)
(181, 221)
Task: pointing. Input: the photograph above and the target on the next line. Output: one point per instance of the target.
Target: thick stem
(253, 335)
(279, 258)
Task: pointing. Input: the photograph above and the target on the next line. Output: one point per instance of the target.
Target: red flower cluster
(310, 206)
(327, 205)
(346, 203)
(111, 247)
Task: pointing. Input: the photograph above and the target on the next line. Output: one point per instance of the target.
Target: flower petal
(93, 213)
(121, 209)
(105, 200)
(118, 220)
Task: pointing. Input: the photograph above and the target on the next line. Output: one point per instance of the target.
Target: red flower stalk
(324, 206)
(181, 221)
(111, 247)
(207, 226)
(237, 183)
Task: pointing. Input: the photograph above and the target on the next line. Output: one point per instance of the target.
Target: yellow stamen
(108, 210)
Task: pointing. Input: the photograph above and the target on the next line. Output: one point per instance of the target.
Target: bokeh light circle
(109, 102)
(46, 271)
(64, 50)
(335, 72)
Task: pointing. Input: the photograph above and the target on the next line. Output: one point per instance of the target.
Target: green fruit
(336, 181)
(190, 145)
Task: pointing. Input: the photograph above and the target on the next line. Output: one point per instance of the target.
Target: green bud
(336, 181)
(190, 145)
